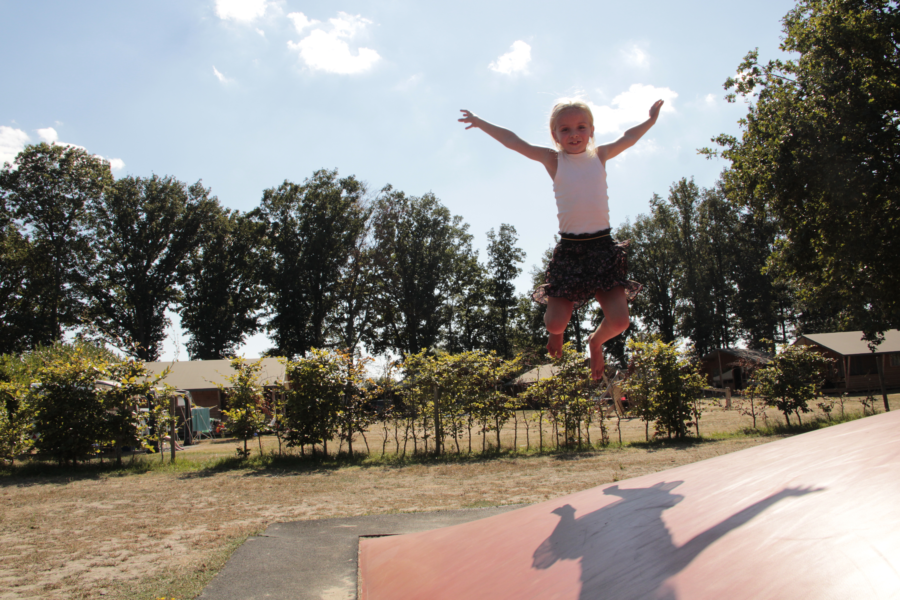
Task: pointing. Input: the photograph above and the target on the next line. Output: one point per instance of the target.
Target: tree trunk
(515, 431)
(438, 434)
(879, 362)
(527, 431)
(541, 429)
(172, 428)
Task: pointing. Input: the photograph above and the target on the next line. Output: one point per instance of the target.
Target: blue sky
(244, 94)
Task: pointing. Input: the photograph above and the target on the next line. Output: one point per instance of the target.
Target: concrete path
(317, 560)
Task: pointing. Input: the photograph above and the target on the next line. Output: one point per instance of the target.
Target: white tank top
(580, 187)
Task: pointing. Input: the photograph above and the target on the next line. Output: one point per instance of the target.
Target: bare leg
(559, 311)
(615, 321)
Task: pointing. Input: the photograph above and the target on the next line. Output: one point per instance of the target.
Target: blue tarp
(200, 420)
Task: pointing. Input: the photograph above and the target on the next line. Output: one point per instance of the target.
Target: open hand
(470, 118)
(654, 110)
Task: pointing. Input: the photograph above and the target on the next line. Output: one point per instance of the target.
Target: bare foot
(554, 346)
(598, 363)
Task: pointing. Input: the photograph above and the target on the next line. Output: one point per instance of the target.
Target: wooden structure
(729, 367)
(855, 365)
(202, 377)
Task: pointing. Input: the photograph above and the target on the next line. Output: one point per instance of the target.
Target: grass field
(152, 530)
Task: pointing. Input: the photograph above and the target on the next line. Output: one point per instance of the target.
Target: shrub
(792, 379)
(664, 385)
(246, 416)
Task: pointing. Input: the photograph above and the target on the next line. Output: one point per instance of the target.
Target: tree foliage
(47, 192)
(245, 417)
(503, 264)
(143, 229)
(792, 380)
(222, 291)
(312, 229)
(665, 385)
(820, 150)
(313, 399)
(418, 243)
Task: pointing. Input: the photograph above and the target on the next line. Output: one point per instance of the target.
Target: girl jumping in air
(587, 263)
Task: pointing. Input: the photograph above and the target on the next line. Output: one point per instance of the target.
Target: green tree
(466, 301)
(819, 149)
(718, 221)
(246, 416)
(793, 379)
(763, 306)
(695, 306)
(529, 335)
(143, 229)
(313, 229)
(665, 384)
(503, 264)
(19, 305)
(69, 415)
(351, 321)
(47, 192)
(417, 242)
(653, 260)
(312, 404)
(357, 412)
(15, 421)
(222, 291)
(122, 422)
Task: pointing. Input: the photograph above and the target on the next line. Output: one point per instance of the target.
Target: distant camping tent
(202, 378)
(730, 367)
(855, 365)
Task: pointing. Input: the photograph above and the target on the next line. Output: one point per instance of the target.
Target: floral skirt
(584, 264)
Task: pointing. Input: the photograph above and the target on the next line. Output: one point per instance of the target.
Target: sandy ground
(130, 536)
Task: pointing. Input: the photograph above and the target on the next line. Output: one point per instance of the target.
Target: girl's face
(573, 130)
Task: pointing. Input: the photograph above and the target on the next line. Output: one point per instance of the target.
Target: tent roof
(539, 372)
(208, 374)
(849, 343)
(745, 353)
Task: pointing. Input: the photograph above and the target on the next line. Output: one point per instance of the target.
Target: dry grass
(165, 532)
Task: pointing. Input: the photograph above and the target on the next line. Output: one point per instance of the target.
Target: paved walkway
(317, 560)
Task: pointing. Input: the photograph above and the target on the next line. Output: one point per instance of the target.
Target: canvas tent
(855, 365)
(202, 378)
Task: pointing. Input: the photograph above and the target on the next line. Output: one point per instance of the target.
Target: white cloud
(12, 141)
(514, 61)
(630, 108)
(635, 57)
(48, 134)
(243, 11)
(409, 83)
(301, 21)
(326, 49)
(260, 32)
(710, 99)
(221, 77)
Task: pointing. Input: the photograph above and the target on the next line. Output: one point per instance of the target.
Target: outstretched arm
(630, 137)
(508, 138)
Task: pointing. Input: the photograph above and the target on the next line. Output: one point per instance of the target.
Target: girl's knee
(555, 324)
(620, 322)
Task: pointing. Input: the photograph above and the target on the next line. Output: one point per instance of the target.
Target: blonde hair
(562, 106)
